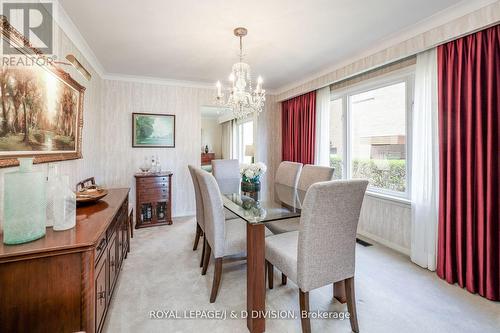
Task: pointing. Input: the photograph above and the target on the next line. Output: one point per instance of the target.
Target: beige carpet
(161, 273)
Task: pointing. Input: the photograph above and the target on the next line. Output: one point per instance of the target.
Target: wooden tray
(84, 197)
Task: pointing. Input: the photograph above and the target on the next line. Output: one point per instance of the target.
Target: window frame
(406, 75)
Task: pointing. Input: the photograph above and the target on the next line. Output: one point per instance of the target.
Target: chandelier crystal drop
(242, 99)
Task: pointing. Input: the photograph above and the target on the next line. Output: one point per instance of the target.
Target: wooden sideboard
(64, 281)
(153, 199)
(206, 158)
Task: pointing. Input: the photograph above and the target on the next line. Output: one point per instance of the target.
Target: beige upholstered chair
(322, 252)
(227, 174)
(309, 175)
(286, 177)
(200, 226)
(222, 237)
(288, 173)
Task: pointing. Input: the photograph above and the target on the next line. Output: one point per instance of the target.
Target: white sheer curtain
(322, 143)
(425, 158)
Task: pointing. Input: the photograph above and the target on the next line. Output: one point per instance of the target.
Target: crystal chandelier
(242, 99)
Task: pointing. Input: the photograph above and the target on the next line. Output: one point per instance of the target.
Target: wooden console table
(153, 199)
(64, 281)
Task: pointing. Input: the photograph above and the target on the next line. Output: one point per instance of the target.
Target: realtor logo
(34, 21)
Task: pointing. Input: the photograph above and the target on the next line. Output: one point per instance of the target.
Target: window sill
(402, 201)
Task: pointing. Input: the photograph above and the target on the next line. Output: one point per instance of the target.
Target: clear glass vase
(63, 203)
(24, 204)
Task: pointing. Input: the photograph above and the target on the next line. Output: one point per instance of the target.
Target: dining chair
(227, 175)
(322, 251)
(288, 173)
(222, 237)
(310, 174)
(200, 226)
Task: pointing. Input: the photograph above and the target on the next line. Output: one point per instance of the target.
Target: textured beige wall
(121, 161)
(386, 222)
(268, 141)
(120, 100)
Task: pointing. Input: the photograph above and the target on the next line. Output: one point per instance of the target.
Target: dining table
(257, 210)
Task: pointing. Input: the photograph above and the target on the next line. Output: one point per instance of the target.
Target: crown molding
(165, 81)
(158, 80)
(442, 17)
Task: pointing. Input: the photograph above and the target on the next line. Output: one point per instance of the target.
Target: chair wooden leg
(283, 279)
(304, 311)
(197, 237)
(351, 304)
(203, 252)
(339, 291)
(208, 252)
(270, 274)
(217, 278)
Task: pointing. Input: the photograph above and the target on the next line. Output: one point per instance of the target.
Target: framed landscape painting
(41, 107)
(150, 130)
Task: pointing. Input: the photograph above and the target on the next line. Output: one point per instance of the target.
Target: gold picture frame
(53, 114)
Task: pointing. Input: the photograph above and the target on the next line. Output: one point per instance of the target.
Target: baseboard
(385, 242)
(184, 214)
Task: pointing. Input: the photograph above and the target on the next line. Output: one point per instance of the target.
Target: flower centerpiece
(250, 176)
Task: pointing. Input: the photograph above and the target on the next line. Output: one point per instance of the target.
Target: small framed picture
(152, 130)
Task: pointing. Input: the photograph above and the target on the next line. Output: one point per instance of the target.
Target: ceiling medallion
(242, 99)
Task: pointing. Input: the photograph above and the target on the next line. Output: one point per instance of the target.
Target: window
(369, 134)
(245, 138)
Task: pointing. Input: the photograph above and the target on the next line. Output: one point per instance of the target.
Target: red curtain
(299, 128)
(469, 126)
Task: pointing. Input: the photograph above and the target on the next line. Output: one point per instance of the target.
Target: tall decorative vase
(65, 206)
(24, 204)
(61, 202)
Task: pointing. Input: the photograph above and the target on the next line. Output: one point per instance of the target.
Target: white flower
(249, 173)
(252, 170)
(243, 168)
(262, 167)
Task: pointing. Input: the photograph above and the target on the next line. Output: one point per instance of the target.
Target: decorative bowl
(90, 195)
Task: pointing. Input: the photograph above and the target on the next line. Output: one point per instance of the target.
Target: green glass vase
(24, 204)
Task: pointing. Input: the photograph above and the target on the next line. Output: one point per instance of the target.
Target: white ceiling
(193, 40)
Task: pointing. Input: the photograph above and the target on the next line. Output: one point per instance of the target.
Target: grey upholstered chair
(288, 173)
(227, 175)
(222, 237)
(200, 226)
(309, 175)
(286, 177)
(322, 252)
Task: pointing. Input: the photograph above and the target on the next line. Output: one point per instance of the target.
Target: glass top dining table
(256, 211)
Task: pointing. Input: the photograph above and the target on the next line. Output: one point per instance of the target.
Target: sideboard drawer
(100, 248)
